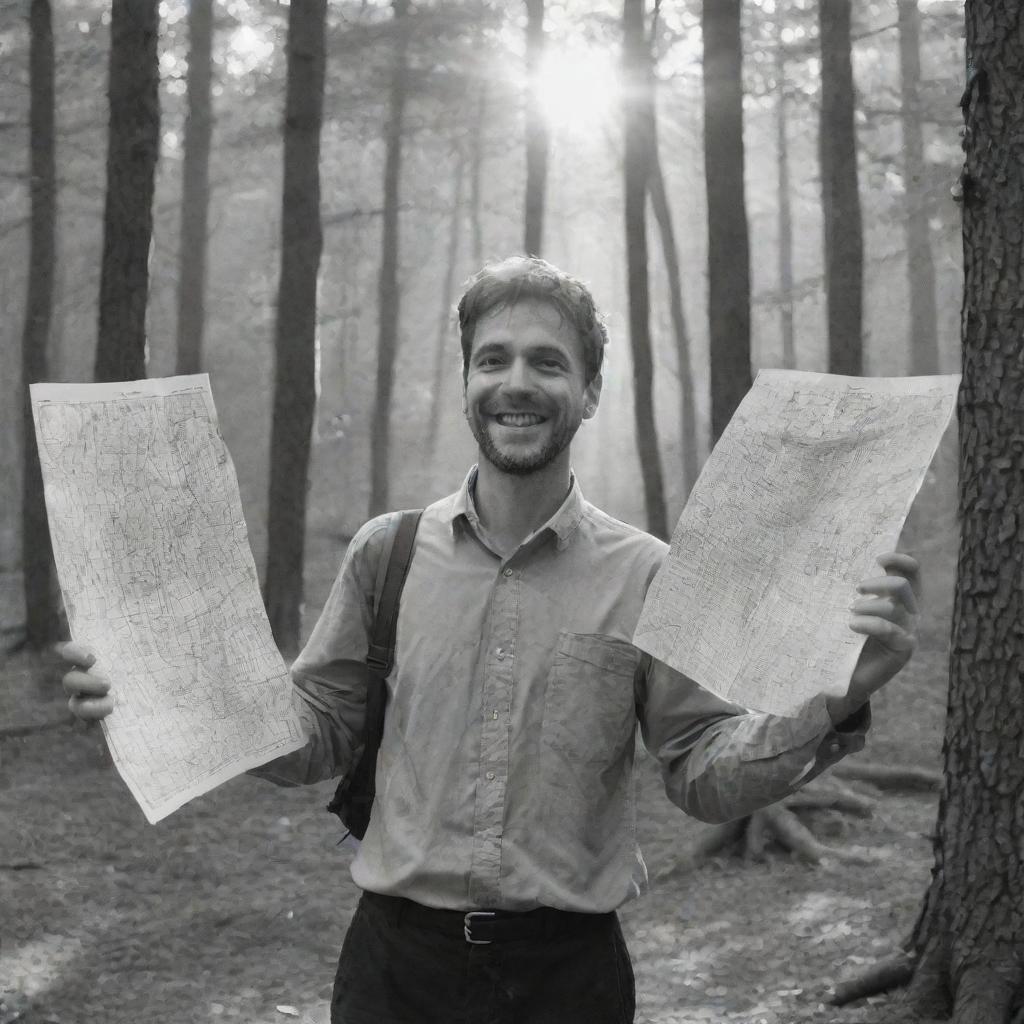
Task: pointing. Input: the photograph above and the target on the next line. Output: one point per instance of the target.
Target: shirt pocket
(590, 706)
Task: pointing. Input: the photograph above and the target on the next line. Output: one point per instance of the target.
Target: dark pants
(396, 971)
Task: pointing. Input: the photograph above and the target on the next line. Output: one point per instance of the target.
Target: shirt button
(490, 776)
(507, 572)
(833, 747)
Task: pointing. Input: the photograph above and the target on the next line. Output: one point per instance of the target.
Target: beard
(528, 462)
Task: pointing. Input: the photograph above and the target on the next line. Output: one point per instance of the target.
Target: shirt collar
(562, 524)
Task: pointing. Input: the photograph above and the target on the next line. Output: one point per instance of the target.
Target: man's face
(526, 391)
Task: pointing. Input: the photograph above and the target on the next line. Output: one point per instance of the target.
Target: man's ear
(592, 396)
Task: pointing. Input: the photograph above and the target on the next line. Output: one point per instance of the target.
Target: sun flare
(577, 88)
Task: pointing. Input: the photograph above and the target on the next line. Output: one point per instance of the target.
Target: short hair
(505, 282)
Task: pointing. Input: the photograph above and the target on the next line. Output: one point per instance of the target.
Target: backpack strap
(380, 655)
(360, 787)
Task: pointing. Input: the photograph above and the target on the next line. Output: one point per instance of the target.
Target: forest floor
(234, 907)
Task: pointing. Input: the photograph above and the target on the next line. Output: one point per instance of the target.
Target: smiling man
(502, 838)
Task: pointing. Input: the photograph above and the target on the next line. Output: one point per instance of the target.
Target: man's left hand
(886, 613)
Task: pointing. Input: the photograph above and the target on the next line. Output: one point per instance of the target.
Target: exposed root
(796, 837)
(882, 977)
(831, 794)
(907, 778)
(718, 838)
(757, 837)
(983, 995)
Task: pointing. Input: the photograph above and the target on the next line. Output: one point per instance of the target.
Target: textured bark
(295, 340)
(670, 254)
(537, 139)
(728, 241)
(132, 149)
(41, 616)
(970, 935)
(387, 284)
(195, 197)
(784, 202)
(638, 111)
(924, 330)
(840, 196)
(444, 320)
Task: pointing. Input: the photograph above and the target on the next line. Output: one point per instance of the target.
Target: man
(501, 841)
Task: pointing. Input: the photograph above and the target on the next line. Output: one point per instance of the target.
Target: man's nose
(519, 377)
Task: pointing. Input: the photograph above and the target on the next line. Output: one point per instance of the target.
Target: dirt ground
(234, 907)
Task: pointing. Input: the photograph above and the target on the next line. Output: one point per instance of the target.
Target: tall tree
(670, 254)
(537, 138)
(387, 287)
(475, 176)
(444, 319)
(41, 617)
(195, 197)
(840, 196)
(970, 935)
(295, 345)
(728, 240)
(133, 146)
(638, 120)
(784, 202)
(924, 329)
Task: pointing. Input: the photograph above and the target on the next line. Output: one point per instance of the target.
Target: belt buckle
(467, 927)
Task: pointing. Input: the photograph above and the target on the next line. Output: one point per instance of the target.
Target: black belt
(482, 927)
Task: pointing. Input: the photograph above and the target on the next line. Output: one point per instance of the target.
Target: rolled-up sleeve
(329, 677)
(720, 761)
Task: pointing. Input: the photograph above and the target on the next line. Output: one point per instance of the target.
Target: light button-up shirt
(504, 778)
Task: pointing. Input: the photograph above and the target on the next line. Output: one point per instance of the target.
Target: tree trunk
(195, 198)
(537, 140)
(785, 205)
(387, 288)
(444, 320)
(840, 197)
(970, 935)
(638, 117)
(132, 150)
(41, 617)
(728, 243)
(475, 174)
(295, 344)
(924, 329)
(670, 253)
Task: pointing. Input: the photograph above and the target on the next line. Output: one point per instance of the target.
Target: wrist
(847, 714)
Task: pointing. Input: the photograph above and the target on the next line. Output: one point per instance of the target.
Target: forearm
(748, 761)
(331, 706)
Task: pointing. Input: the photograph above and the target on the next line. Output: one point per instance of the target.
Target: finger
(897, 587)
(85, 684)
(77, 654)
(899, 563)
(91, 709)
(884, 607)
(888, 633)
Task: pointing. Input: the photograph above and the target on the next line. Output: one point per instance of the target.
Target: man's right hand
(88, 692)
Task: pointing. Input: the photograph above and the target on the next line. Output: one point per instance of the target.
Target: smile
(518, 419)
